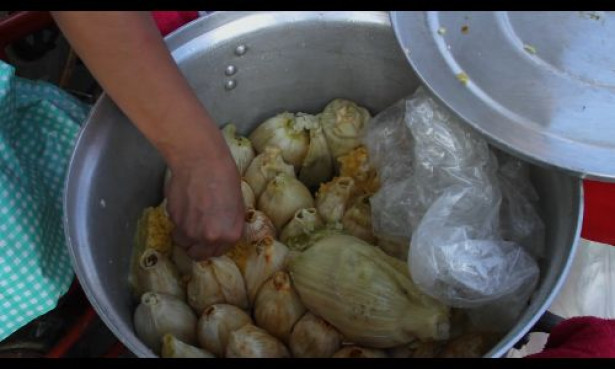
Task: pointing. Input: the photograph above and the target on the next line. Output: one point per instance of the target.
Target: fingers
(209, 237)
(200, 248)
(207, 222)
(201, 252)
(217, 241)
(181, 239)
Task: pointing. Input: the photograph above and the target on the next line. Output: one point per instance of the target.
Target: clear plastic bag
(441, 188)
(519, 219)
(457, 255)
(395, 205)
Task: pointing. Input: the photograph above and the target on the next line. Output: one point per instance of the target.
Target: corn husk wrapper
(317, 167)
(214, 281)
(403, 352)
(263, 258)
(357, 219)
(300, 244)
(265, 167)
(249, 199)
(277, 306)
(159, 314)
(156, 273)
(367, 295)
(427, 350)
(355, 164)
(257, 226)
(154, 230)
(333, 198)
(469, 345)
(313, 337)
(240, 252)
(240, 147)
(216, 324)
(343, 122)
(173, 348)
(251, 341)
(397, 247)
(181, 259)
(286, 131)
(282, 197)
(297, 232)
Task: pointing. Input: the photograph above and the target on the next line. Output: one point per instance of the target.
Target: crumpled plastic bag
(519, 218)
(442, 189)
(456, 252)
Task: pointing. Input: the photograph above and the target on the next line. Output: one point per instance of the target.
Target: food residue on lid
(529, 48)
(441, 31)
(463, 78)
(465, 29)
(593, 15)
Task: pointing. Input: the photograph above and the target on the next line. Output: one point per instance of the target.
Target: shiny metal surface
(540, 84)
(294, 61)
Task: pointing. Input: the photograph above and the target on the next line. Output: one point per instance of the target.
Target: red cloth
(599, 217)
(580, 337)
(168, 22)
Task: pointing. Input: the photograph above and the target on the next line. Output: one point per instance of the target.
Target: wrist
(193, 138)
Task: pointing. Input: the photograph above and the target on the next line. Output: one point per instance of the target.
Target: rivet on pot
(230, 84)
(230, 70)
(240, 50)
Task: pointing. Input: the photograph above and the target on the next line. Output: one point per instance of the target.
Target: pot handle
(546, 322)
(544, 325)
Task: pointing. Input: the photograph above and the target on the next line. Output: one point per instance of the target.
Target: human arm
(126, 54)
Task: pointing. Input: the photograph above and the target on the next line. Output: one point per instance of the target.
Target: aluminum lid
(540, 85)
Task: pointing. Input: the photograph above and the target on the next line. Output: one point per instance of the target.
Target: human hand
(205, 203)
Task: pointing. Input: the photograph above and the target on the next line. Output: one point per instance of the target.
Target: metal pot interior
(295, 61)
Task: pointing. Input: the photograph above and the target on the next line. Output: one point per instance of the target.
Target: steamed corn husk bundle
(308, 278)
(251, 341)
(257, 226)
(265, 166)
(282, 197)
(299, 229)
(333, 198)
(317, 167)
(355, 164)
(159, 314)
(217, 323)
(313, 337)
(176, 349)
(277, 306)
(288, 132)
(216, 280)
(157, 273)
(366, 294)
(343, 122)
(240, 147)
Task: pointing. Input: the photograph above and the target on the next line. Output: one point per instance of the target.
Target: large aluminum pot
(294, 61)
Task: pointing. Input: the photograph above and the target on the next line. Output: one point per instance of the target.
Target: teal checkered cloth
(38, 126)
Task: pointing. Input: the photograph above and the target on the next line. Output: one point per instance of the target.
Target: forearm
(126, 54)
